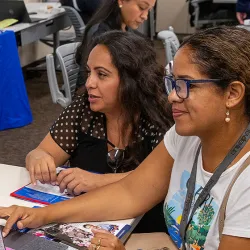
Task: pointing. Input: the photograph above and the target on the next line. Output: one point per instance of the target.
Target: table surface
(38, 8)
(13, 178)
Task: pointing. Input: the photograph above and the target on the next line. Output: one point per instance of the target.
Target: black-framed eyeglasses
(115, 158)
(182, 86)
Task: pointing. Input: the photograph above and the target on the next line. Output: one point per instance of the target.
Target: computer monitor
(14, 9)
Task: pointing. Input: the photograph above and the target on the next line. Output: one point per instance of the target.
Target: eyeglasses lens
(181, 89)
(115, 158)
(168, 85)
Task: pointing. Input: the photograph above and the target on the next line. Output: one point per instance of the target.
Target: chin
(95, 108)
(184, 130)
(133, 26)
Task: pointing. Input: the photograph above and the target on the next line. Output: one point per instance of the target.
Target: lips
(178, 112)
(93, 96)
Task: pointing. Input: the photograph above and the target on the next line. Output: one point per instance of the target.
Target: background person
(86, 8)
(242, 10)
(112, 15)
(122, 109)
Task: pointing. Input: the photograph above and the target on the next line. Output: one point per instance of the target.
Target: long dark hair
(141, 91)
(223, 53)
(108, 12)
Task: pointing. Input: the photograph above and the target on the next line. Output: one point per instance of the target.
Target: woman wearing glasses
(112, 126)
(209, 91)
(122, 15)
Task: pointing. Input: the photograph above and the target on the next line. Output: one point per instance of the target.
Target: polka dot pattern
(78, 117)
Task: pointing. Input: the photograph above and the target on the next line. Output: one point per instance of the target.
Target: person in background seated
(209, 90)
(242, 10)
(115, 123)
(112, 15)
(86, 8)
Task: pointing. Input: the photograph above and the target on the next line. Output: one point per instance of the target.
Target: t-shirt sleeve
(66, 128)
(238, 208)
(170, 141)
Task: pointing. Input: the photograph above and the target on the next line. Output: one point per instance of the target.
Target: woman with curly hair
(118, 119)
(125, 15)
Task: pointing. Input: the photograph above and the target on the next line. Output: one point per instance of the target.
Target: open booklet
(79, 235)
(42, 193)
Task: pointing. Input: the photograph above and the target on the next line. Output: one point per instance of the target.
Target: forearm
(131, 196)
(98, 205)
(111, 178)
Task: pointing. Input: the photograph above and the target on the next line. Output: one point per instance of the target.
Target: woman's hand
(41, 166)
(24, 217)
(104, 240)
(77, 181)
(241, 16)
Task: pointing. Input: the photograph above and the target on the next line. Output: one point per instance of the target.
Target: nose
(91, 82)
(173, 97)
(144, 15)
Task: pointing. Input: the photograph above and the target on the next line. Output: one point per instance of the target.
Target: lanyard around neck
(186, 215)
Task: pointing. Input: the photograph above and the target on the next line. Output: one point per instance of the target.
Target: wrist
(49, 215)
(102, 180)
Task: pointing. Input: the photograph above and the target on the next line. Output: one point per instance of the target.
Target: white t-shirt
(203, 232)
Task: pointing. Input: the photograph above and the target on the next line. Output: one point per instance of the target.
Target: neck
(114, 125)
(114, 121)
(216, 145)
(124, 27)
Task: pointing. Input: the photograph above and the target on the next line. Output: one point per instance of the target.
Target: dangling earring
(120, 6)
(227, 119)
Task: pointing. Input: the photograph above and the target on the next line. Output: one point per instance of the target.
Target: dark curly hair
(141, 91)
(223, 53)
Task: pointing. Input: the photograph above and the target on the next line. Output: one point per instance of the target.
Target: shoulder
(79, 104)
(92, 123)
(238, 205)
(242, 183)
(98, 29)
(176, 144)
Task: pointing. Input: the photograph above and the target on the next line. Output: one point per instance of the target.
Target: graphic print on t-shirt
(199, 225)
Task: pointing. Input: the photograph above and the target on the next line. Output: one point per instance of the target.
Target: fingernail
(34, 183)
(53, 183)
(3, 234)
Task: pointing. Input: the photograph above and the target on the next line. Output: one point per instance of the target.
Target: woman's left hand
(77, 181)
(104, 240)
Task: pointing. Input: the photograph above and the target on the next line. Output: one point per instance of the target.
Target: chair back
(76, 21)
(171, 43)
(66, 57)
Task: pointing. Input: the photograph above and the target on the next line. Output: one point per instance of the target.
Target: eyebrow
(98, 68)
(183, 76)
(102, 68)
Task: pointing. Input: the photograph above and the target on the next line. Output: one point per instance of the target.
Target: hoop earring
(227, 119)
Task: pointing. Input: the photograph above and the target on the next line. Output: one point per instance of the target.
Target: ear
(120, 2)
(235, 94)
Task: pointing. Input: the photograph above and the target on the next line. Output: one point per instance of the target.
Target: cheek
(110, 92)
(130, 14)
(207, 109)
